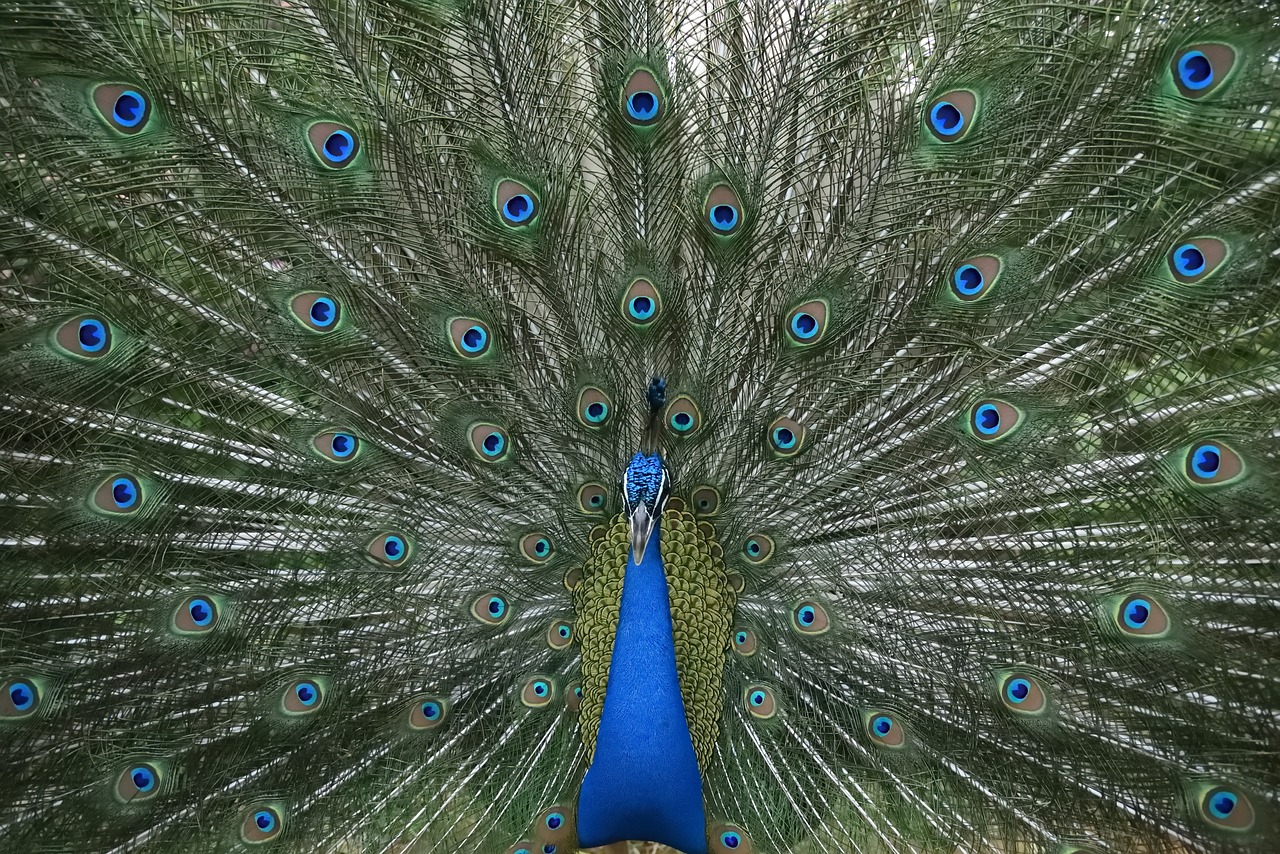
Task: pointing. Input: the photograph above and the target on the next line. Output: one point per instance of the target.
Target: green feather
(321, 361)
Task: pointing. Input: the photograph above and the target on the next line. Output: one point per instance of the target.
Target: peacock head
(646, 486)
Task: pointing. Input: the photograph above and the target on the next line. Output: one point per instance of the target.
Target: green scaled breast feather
(354, 354)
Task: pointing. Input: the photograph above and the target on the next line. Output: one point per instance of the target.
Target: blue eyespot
(723, 217)
(337, 147)
(642, 106)
(596, 500)
(753, 547)
(518, 208)
(201, 612)
(1136, 613)
(740, 638)
(497, 606)
(784, 438)
(92, 335)
(324, 312)
(946, 118)
(130, 108)
(806, 615)
(124, 492)
(542, 546)
(1222, 804)
(474, 339)
(343, 445)
(564, 631)
(1017, 690)
(431, 710)
(682, 421)
(729, 839)
(548, 849)
(882, 724)
(307, 693)
(493, 444)
(555, 820)
(143, 779)
(597, 412)
(264, 821)
(393, 547)
(1188, 260)
(22, 696)
(1206, 460)
(968, 280)
(804, 325)
(541, 688)
(986, 419)
(756, 698)
(641, 308)
(1195, 71)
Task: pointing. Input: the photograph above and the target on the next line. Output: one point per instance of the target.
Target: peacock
(525, 426)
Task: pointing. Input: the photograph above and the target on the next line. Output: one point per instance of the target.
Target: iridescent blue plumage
(644, 781)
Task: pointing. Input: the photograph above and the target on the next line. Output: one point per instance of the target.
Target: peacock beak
(642, 525)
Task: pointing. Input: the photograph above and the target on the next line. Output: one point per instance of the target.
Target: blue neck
(643, 783)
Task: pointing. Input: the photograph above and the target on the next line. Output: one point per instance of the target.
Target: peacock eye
(316, 311)
(642, 98)
(641, 303)
(729, 839)
(302, 697)
(490, 608)
(1227, 808)
(759, 702)
(336, 446)
(973, 277)
(560, 634)
(993, 419)
(489, 441)
(427, 712)
(806, 323)
(334, 145)
(196, 615)
(594, 407)
(536, 547)
(515, 202)
(884, 729)
(1141, 615)
(389, 548)
(744, 642)
(1022, 694)
(1202, 68)
(786, 437)
(138, 783)
(810, 618)
(19, 698)
(1213, 463)
(469, 337)
(758, 548)
(1194, 260)
(261, 825)
(591, 498)
(120, 494)
(537, 692)
(723, 210)
(950, 116)
(87, 336)
(124, 108)
(706, 500)
(683, 416)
